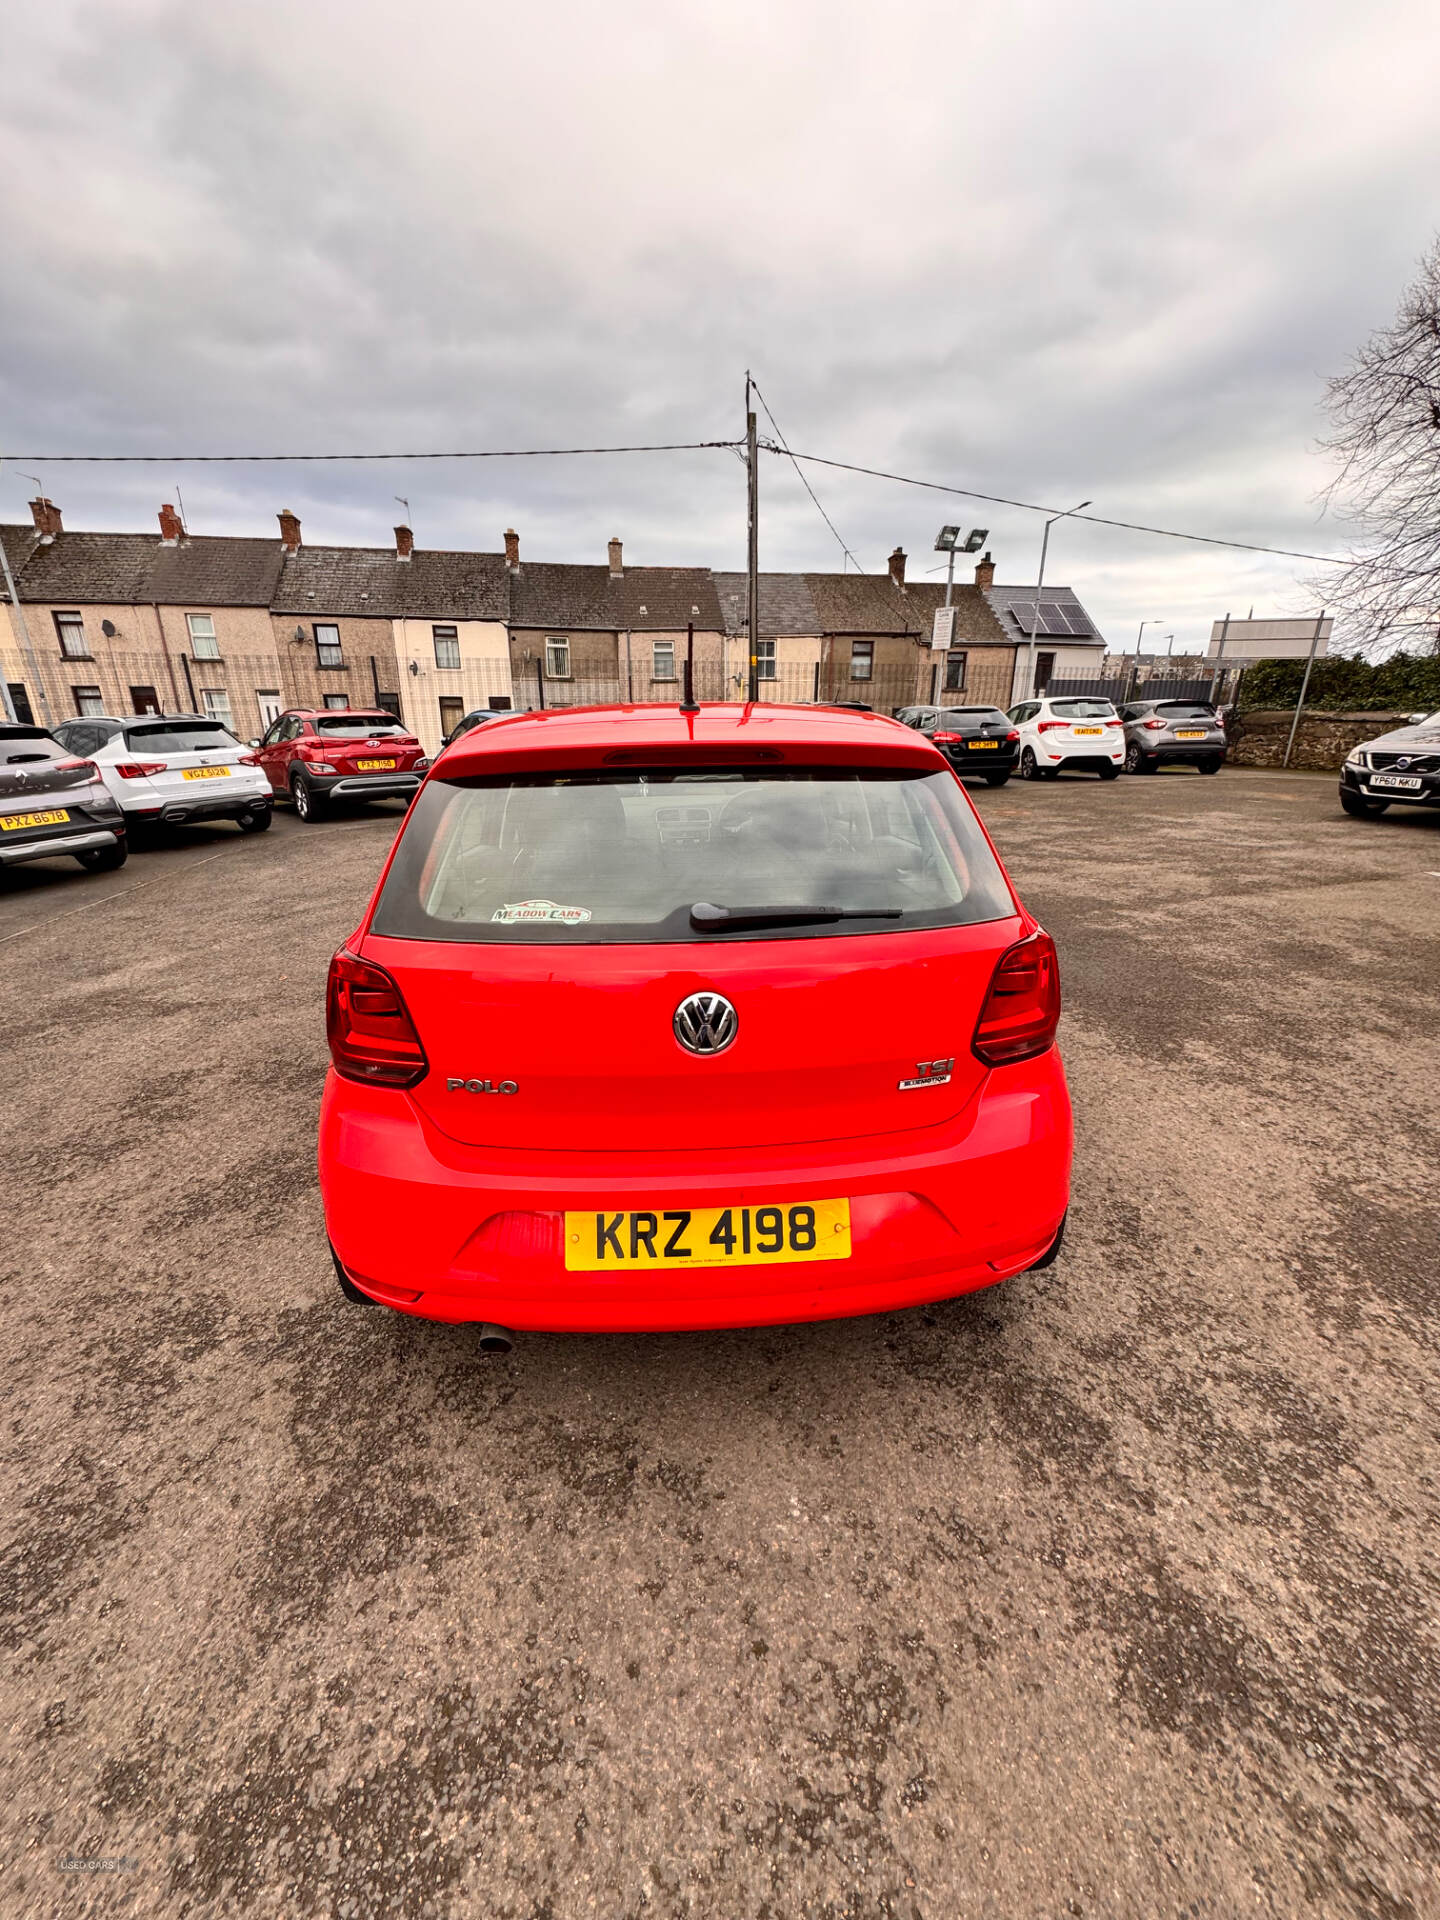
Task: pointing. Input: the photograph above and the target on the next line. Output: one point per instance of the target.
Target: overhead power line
(232, 459)
(1031, 506)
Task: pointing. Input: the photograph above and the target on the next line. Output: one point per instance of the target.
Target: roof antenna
(690, 704)
(404, 503)
(180, 498)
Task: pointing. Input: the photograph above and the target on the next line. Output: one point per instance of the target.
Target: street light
(1143, 625)
(1035, 620)
(948, 542)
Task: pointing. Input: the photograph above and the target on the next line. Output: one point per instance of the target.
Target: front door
(270, 707)
(1044, 671)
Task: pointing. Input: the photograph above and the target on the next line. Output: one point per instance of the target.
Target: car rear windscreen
(981, 716)
(610, 858)
(1184, 710)
(179, 736)
(357, 726)
(1082, 709)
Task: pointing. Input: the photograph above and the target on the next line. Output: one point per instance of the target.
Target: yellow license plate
(1190, 733)
(206, 773)
(53, 817)
(979, 746)
(680, 1237)
(375, 766)
(1087, 729)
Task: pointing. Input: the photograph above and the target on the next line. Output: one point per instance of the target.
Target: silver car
(1182, 732)
(1400, 766)
(53, 804)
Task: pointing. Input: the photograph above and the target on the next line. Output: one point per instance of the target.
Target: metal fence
(1219, 688)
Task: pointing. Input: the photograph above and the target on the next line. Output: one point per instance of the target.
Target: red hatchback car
(674, 1020)
(317, 755)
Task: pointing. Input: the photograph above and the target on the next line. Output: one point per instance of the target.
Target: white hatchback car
(172, 768)
(1072, 733)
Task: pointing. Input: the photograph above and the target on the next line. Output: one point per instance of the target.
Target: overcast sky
(1040, 250)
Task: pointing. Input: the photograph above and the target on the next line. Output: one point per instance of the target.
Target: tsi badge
(929, 1073)
(481, 1086)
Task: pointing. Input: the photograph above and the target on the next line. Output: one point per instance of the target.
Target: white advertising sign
(944, 632)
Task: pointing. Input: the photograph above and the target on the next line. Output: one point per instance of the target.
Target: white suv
(1073, 733)
(173, 767)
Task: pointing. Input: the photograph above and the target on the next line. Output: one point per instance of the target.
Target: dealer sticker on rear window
(525, 911)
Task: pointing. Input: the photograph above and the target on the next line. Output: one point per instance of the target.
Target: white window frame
(447, 637)
(328, 626)
(557, 648)
(69, 625)
(659, 651)
(765, 660)
(215, 704)
(336, 702)
(862, 654)
(89, 702)
(204, 641)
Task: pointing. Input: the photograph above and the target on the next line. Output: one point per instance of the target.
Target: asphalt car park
(1107, 1591)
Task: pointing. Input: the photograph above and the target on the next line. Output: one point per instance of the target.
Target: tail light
(1114, 723)
(1156, 726)
(249, 759)
(78, 766)
(1049, 726)
(1022, 1008)
(372, 1038)
(945, 739)
(140, 769)
(1012, 735)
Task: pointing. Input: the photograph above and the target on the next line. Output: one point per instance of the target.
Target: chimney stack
(512, 550)
(289, 531)
(170, 527)
(985, 572)
(897, 566)
(404, 543)
(46, 516)
(617, 561)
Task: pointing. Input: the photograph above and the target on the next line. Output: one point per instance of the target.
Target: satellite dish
(108, 628)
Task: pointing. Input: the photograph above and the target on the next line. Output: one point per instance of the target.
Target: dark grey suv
(1184, 732)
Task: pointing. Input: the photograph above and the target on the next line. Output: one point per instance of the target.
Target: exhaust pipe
(495, 1339)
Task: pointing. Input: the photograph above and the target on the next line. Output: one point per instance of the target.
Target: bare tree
(1386, 410)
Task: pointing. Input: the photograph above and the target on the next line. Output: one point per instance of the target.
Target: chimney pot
(512, 550)
(404, 543)
(985, 572)
(289, 531)
(617, 558)
(897, 566)
(170, 527)
(46, 516)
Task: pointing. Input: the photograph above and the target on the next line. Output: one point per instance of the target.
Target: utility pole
(1304, 686)
(27, 652)
(752, 679)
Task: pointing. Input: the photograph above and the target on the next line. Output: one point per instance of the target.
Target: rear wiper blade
(707, 918)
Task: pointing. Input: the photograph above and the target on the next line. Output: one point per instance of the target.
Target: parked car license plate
(57, 816)
(375, 766)
(679, 1237)
(1401, 780)
(1087, 729)
(206, 773)
(1190, 733)
(979, 746)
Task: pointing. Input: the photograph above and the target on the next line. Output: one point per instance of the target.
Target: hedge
(1339, 685)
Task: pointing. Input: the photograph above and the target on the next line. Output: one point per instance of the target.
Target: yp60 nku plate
(680, 1237)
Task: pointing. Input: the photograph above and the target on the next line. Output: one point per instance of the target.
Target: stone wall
(1257, 738)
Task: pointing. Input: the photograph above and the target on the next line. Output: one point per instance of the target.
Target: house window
(71, 629)
(87, 701)
(447, 647)
(203, 643)
(557, 659)
(20, 701)
(1044, 671)
(267, 699)
(955, 671)
(765, 659)
(327, 647)
(216, 702)
(452, 712)
(862, 659)
(143, 700)
(337, 702)
(662, 660)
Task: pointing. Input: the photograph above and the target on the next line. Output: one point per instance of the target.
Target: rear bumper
(52, 845)
(1192, 750)
(476, 1234)
(367, 786)
(1005, 762)
(206, 806)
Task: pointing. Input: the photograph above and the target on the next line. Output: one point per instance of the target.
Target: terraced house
(242, 628)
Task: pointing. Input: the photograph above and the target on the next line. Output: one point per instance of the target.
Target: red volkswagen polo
(662, 1020)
